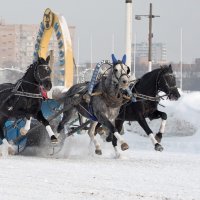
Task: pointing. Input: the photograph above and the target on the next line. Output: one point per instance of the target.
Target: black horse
(24, 99)
(146, 90)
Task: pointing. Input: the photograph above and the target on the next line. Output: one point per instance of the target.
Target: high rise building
(17, 43)
(159, 53)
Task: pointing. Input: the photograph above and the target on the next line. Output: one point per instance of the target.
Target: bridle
(115, 99)
(37, 75)
(123, 71)
(38, 79)
(165, 83)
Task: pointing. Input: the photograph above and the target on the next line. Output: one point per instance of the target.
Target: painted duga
(148, 87)
(24, 99)
(102, 108)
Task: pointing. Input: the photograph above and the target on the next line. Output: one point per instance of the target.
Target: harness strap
(30, 83)
(96, 93)
(143, 96)
(17, 86)
(146, 97)
(27, 94)
(89, 112)
(9, 96)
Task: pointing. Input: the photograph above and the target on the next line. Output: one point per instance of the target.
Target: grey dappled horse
(103, 108)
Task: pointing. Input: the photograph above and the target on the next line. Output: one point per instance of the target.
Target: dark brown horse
(147, 89)
(24, 99)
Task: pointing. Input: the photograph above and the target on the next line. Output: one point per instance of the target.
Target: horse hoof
(158, 147)
(54, 140)
(124, 146)
(11, 151)
(158, 137)
(23, 131)
(98, 152)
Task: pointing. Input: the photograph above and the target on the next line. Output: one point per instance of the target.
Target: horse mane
(146, 76)
(40, 60)
(163, 68)
(27, 69)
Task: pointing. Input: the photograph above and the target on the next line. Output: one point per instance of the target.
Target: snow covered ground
(140, 173)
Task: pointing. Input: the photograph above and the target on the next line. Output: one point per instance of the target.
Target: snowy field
(140, 173)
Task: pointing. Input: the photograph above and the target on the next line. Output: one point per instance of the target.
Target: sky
(103, 21)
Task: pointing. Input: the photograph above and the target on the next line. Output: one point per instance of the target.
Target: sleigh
(53, 108)
(36, 136)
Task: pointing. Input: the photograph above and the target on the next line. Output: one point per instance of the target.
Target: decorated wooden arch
(57, 23)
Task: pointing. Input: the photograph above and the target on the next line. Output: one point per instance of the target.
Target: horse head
(120, 72)
(167, 83)
(42, 73)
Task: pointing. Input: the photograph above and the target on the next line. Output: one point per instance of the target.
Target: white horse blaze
(162, 126)
(119, 138)
(152, 138)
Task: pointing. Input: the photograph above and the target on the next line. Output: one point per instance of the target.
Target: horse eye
(116, 70)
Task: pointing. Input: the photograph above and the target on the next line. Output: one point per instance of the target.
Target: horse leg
(24, 130)
(67, 115)
(163, 117)
(112, 130)
(149, 132)
(114, 143)
(41, 119)
(9, 147)
(102, 131)
(91, 133)
(119, 126)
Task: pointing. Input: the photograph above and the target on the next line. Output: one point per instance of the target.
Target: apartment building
(17, 43)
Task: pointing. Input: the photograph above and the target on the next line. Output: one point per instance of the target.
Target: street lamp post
(128, 31)
(150, 36)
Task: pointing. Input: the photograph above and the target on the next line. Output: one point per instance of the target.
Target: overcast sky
(102, 19)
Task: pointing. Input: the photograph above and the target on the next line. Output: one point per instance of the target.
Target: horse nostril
(124, 81)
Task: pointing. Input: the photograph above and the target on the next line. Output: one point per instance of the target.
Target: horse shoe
(98, 152)
(124, 146)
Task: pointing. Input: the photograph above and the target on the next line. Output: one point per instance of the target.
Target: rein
(144, 97)
(122, 74)
(14, 89)
(151, 98)
(25, 94)
(37, 75)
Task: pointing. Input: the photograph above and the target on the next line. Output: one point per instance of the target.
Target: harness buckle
(10, 108)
